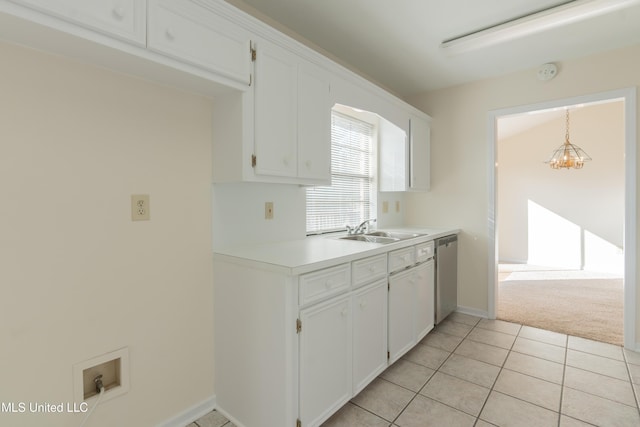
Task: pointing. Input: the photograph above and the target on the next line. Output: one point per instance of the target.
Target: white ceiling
(397, 42)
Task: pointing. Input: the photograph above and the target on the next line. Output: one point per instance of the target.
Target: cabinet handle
(285, 161)
(363, 303)
(169, 33)
(118, 13)
(308, 164)
(344, 312)
(372, 269)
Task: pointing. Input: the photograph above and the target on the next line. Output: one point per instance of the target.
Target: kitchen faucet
(360, 229)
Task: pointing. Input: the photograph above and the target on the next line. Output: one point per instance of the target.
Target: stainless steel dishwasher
(446, 288)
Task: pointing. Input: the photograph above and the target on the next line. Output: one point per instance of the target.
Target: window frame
(369, 119)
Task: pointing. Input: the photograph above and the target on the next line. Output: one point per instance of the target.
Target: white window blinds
(349, 198)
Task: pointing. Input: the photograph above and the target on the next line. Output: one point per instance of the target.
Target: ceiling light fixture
(567, 13)
(568, 155)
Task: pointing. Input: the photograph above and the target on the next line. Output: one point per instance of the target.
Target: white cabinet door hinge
(298, 325)
(254, 160)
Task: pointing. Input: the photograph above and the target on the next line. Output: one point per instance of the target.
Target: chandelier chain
(566, 136)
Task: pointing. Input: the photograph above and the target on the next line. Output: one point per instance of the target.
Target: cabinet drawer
(424, 251)
(401, 258)
(124, 19)
(194, 34)
(369, 269)
(320, 284)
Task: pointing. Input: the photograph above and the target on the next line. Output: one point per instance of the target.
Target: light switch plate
(268, 210)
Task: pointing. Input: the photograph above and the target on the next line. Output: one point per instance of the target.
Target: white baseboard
(191, 414)
(229, 417)
(512, 261)
(472, 311)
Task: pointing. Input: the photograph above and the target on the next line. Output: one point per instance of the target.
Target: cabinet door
(424, 301)
(419, 155)
(314, 123)
(401, 322)
(191, 33)
(124, 19)
(369, 334)
(276, 118)
(393, 157)
(325, 359)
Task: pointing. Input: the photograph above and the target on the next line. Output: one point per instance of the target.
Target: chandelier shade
(568, 155)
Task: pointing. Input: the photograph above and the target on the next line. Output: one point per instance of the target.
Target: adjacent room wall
(460, 150)
(78, 277)
(587, 202)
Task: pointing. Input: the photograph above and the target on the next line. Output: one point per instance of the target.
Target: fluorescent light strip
(564, 14)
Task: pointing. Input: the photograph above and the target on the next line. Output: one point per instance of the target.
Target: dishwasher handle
(446, 241)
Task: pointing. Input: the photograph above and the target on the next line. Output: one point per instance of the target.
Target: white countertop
(314, 252)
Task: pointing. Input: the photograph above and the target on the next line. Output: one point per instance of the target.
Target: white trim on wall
(191, 414)
(628, 95)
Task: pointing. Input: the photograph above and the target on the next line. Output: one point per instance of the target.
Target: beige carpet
(575, 304)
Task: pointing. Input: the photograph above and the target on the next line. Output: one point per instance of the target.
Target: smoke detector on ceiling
(547, 72)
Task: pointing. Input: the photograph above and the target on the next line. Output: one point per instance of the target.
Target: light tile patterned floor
(477, 372)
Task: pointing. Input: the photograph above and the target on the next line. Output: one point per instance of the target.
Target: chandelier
(568, 155)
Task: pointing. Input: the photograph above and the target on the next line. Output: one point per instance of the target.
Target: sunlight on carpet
(578, 303)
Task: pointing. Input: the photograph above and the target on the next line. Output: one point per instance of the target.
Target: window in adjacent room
(350, 199)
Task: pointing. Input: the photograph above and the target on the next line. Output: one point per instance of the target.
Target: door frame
(628, 95)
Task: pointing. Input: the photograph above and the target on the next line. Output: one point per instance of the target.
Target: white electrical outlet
(140, 207)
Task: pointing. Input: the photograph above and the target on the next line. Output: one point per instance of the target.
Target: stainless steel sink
(370, 238)
(381, 237)
(394, 235)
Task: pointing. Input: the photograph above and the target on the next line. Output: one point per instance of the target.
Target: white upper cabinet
(314, 123)
(420, 154)
(393, 157)
(272, 96)
(405, 156)
(280, 129)
(276, 113)
(124, 19)
(194, 34)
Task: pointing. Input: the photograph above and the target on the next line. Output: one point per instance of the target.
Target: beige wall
(460, 150)
(78, 277)
(591, 199)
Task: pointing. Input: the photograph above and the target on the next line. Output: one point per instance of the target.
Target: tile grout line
(564, 373)
(633, 388)
(436, 371)
(497, 376)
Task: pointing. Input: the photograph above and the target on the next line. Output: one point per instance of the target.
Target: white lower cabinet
(304, 344)
(325, 359)
(425, 303)
(411, 308)
(369, 334)
(401, 314)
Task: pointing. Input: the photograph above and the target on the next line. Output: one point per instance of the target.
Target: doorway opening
(547, 224)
